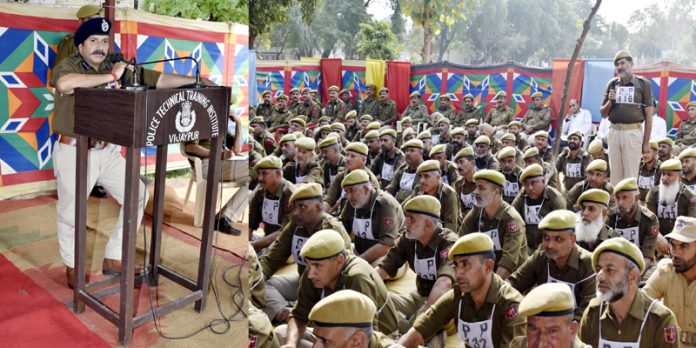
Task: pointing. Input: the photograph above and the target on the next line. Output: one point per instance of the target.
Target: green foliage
(235, 11)
(268, 13)
(377, 42)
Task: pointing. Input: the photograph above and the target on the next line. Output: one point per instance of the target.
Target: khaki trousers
(625, 151)
(236, 171)
(104, 166)
(281, 292)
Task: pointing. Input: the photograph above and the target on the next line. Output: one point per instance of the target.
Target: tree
(235, 11)
(267, 13)
(377, 42)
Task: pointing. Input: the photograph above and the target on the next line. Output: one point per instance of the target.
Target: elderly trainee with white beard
(671, 198)
(621, 315)
(591, 228)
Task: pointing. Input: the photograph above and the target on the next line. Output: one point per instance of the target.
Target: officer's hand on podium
(119, 68)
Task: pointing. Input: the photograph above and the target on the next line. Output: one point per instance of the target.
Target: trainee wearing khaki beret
(559, 220)
(691, 104)
(471, 121)
(322, 245)
(483, 139)
(471, 244)
(355, 177)
(373, 126)
(424, 205)
(621, 55)
(537, 95)
(256, 120)
(508, 136)
(344, 308)
(87, 11)
(427, 166)
(286, 138)
(457, 131)
(491, 176)
(413, 144)
(339, 126)
(654, 145)
(666, 140)
(406, 119)
(306, 191)
(623, 247)
(548, 300)
(333, 89)
(595, 146)
(599, 165)
(269, 162)
(358, 148)
(595, 196)
(532, 171)
(415, 94)
(687, 153)
(468, 96)
(305, 143)
(282, 97)
(443, 121)
(373, 134)
(531, 152)
(351, 114)
(299, 121)
(628, 184)
(438, 149)
(515, 123)
(424, 135)
(467, 151)
(506, 152)
(329, 141)
(541, 134)
(366, 117)
(390, 132)
(671, 165)
(445, 96)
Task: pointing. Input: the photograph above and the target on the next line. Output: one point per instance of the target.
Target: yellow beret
(531, 152)
(508, 136)
(373, 126)
(413, 144)
(384, 89)
(406, 119)
(443, 120)
(282, 97)
(688, 152)
(471, 244)
(269, 162)
(691, 104)
(325, 128)
(322, 245)
(594, 196)
(285, 138)
(424, 204)
(408, 132)
(621, 246)
(297, 134)
(548, 300)
(266, 92)
(576, 133)
(501, 94)
(390, 132)
(338, 126)
(306, 191)
(468, 96)
(666, 140)
(492, 176)
(357, 147)
(654, 145)
(424, 135)
(373, 134)
(628, 184)
(541, 134)
(428, 166)
(299, 121)
(438, 149)
(684, 230)
(415, 94)
(257, 119)
(537, 95)
(597, 165)
(531, 171)
(464, 153)
(366, 117)
(370, 86)
(507, 151)
(329, 141)
(305, 143)
(595, 146)
(471, 121)
(344, 308)
(457, 131)
(483, 139)
(445, 96)
(355, 177)
(559, 220)
(621, 55)
(87, 11)
(351, 114)
(333, 89)
(671, 165)
(306, 90)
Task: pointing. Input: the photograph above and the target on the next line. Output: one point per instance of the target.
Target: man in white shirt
(659, 127)
(603, 130)
(577, 119)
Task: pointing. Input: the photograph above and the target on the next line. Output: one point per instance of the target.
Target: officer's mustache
(99, 52)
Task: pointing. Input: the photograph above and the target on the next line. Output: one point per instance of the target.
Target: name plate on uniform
(625, 95)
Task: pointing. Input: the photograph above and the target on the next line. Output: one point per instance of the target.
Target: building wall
(77, 3)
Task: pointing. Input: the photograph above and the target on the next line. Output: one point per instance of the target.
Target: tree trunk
(426, 53)
(569, 73)
(252, 39)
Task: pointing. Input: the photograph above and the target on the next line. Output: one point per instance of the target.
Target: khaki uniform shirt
(648, 228)
(449, 113)
(310, 109)
(331, 171)
(407, 250)
(336, 110)
(549, 201)
(691, 184)
(538, 119)
(395, 159)
(265, 110)
(578, 270)
(658, 324)
(357, 275)
(465, 192)
(573, 168)
(418, 114)
(512, 185)
(686, 206)
(269, 144)
(380, 340)
(64, 115)
(312, 173)
(686, 134)
(335, 191)
(449, 204)
(551, 176)
(395, 189)
(258, 199)
(386, 112)
(256, 284)
(261, 334)
(369, 106)
(583, 186)
(466, 114)
(648, 177)
(677, 295)
(629, 112)
(449, 173)
(293, 107)
(279, 119)
(385, 215)
(507, 226)
(66, 48)
(497, 117)
(452, 149)
(605, 233)
(501, 304)
(469, 138)
(487, 162)
(287, 244)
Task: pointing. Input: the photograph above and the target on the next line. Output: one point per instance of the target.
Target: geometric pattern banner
(29, 36)
(353, 79)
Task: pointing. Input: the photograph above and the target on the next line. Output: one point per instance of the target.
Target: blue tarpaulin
(597, 73)
(253, 98)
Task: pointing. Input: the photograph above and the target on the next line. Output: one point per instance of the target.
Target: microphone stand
(136, 84)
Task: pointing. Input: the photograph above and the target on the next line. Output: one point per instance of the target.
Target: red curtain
(398, 81)
(560, 67)
(330, 76)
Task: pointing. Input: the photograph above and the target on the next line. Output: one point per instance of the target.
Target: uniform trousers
(625, 151)
(281, 292)
(236, 171)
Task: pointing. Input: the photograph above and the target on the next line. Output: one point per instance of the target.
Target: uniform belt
(687, 338)
(625, 126)
(72, 141)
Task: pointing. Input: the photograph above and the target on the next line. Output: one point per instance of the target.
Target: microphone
(197, 74)
(118, 57)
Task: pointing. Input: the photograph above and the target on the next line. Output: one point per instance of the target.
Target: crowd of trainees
(465, 181)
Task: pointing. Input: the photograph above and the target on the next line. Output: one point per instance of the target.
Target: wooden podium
(135, 119)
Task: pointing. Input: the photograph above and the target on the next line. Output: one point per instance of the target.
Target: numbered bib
(331, 178)
(425, 268)
(467, 200)
(630, 234)
(362, 228)
(300, 179)
(477, 334)
(510, 189)
(406, 182)
(646, 182)
(550, 279)
(625, 95)
(573, 170)
(435, 139)
(495, 236)
(445, 180)
(667, 211)
(531, 214)
(270, 211)
(387, 171)
(297, 243)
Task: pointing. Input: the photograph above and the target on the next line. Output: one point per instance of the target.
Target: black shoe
(223, 225)
(98, 191)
